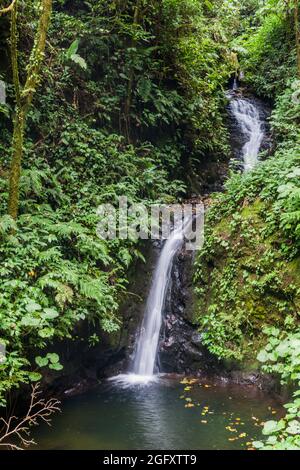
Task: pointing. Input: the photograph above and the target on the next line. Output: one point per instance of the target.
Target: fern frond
(7, 224)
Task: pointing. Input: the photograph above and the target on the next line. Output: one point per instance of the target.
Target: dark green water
(158, 417)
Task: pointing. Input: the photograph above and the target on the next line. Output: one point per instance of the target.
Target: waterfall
(235, 84)
(144, 363)
(248, 119)
(148, 338)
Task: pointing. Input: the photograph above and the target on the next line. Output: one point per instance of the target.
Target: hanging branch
(18, 430)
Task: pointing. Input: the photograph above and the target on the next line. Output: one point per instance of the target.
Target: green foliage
(285, 119)
(55, 272)
(281, 355)
(71, 54)
(258, 214)
(171, 59)
(51, 360)
(203, 67)
(269, 54)
(247, 275)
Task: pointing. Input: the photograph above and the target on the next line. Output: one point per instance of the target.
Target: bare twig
(15, 428)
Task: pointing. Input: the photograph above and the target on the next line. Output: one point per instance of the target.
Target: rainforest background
(128, 98)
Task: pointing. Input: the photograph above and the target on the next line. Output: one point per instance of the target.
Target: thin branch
(14, 428)
(3, 11)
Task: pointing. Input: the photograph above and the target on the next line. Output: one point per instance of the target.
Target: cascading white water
(147, 344)
(248, 118)
(148, 339)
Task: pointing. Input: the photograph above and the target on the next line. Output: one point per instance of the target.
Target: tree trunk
(24, 97)
(15, 171)
(297, 31)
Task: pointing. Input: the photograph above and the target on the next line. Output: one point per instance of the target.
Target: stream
(145, 409)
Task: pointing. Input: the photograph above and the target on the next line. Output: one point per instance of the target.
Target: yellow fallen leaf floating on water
(203, 421)
(243, 435)
(187, 389)
(189, 405)
(229, 428)
(192, 381)
(237, 423)
(184, 381)
(188, 381)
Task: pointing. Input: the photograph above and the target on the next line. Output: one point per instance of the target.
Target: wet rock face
(180, 349)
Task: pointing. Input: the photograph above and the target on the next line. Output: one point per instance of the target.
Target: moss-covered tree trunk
(24, 97)
(15, 171)
(297, 30)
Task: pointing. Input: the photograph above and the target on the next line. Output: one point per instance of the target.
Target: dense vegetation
(112, 98)
(247, 276)
(257, 215)
(128, 99)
